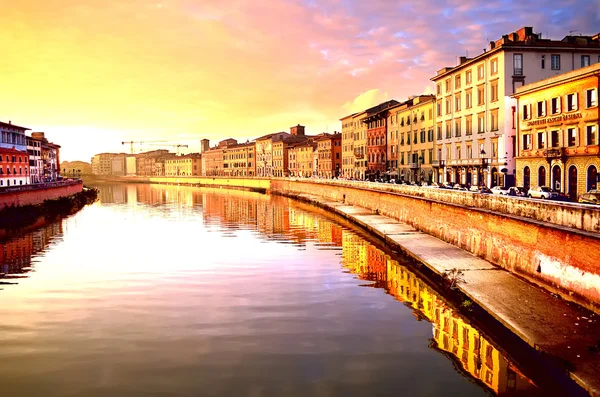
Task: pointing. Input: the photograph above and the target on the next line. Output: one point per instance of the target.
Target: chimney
(462, 60)
(9, 122)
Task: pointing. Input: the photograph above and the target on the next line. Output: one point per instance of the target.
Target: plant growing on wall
(453, 277)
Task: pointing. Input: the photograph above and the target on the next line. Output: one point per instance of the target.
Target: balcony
(518, 72)
(358, 154)
(435, 163)
(555, 153)
(412, 165)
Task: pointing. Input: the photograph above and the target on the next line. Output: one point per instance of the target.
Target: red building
(376, 121)
(14, 167)
(329, 151)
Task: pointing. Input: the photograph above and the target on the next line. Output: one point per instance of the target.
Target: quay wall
(525, 237)
(36, 194)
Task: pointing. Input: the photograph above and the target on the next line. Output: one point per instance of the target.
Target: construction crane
(131, 143)
(175, 145)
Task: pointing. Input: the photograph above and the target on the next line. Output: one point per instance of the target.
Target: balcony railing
(413, 165)
(518, 71)
(554, 153)
(435, 163)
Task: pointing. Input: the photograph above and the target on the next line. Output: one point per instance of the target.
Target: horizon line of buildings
(26, 159)
(523, 112)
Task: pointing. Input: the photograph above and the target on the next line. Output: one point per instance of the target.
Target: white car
(500, 190)
(542, 192)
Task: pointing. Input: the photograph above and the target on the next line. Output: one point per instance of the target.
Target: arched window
(542, 176)
(556, 178)
(573, 183)
(592, 178)
(526, 178)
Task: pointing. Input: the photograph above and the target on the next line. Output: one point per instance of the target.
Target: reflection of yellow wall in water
(452, 334)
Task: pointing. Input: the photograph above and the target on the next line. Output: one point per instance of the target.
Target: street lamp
(484, 162)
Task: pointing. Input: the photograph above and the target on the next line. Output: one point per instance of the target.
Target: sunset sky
(93, 73)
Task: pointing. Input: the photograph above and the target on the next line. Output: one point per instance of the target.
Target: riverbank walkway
(555, 327)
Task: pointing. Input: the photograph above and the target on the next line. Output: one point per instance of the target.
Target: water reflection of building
(472, 352)
(15, 254)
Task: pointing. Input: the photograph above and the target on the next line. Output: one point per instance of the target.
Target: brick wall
(32, 194)
(563, 260)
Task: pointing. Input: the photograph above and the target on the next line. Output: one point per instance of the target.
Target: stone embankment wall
(36, 194)
(556, 245)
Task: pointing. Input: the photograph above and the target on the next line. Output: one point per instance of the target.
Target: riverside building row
(26, 159)
(469, 132)
(523, 112)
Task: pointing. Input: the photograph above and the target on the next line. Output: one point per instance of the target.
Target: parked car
(542, 192)
(517, 191)
(500, 190)
(590, 198)
(458, 186)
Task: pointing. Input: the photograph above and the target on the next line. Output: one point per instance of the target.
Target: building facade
(329, 155)
(14, 167)
(239, 160)
(348, 146)
(557, 132)
(360, 145)
(185, 165)
(36, 165)
(474, 110)
(415, 122)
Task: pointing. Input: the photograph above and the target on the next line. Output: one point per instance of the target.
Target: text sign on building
(564, 117)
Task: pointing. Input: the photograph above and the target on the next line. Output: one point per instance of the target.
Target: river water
(181, 291)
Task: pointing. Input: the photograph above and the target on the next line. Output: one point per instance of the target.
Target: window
(469, 151)
(591, 98)
(590, 133)
(494, 66)
(494, 119)
(543, 61)
(439, 131)
(527, 111)
(423, 136)
(439, 109)
(480, 72)
(457, 127)
(571, 102)
(555, 102)
(555, 138)
(585, 60)
(571, 136)
(481, 123)
(526, 141)
(541, 140)
(439, 89)
(448, 106)
(457, 82)
(481, 95)
(555, 62)
(469, 99)
(457, 102)
(447, 85)
(517, 64)
(469, 76)
(541, 109)
(468, 125)
(458, 152)
(494, 91)
(448, 129)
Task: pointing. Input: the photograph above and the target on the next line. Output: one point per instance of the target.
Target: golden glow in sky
(93, 73)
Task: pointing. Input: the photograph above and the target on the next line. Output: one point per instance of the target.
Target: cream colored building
(239, 160)
(348, 159)
(360, 145)
(186, 165)
(475, 113)
(557, 133)
(415, 123)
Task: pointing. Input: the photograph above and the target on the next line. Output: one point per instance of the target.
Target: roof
(347, 117)
(9, 124)
(524, 39)
(592, 70)
(12, 151)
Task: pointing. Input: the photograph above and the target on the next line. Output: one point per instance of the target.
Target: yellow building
(557, 136)
(348, 146)
(417, 156)
(239, 160)
(186, 165)
(301, 158)
(360, 145)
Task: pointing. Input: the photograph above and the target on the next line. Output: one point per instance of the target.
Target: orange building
(557, 132)
(376, 121)
(14, 167)
(329, 153)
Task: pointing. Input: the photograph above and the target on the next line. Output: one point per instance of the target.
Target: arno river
(181, 291)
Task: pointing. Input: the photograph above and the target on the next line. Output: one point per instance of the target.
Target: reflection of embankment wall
(32, 194)
(563, 259)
